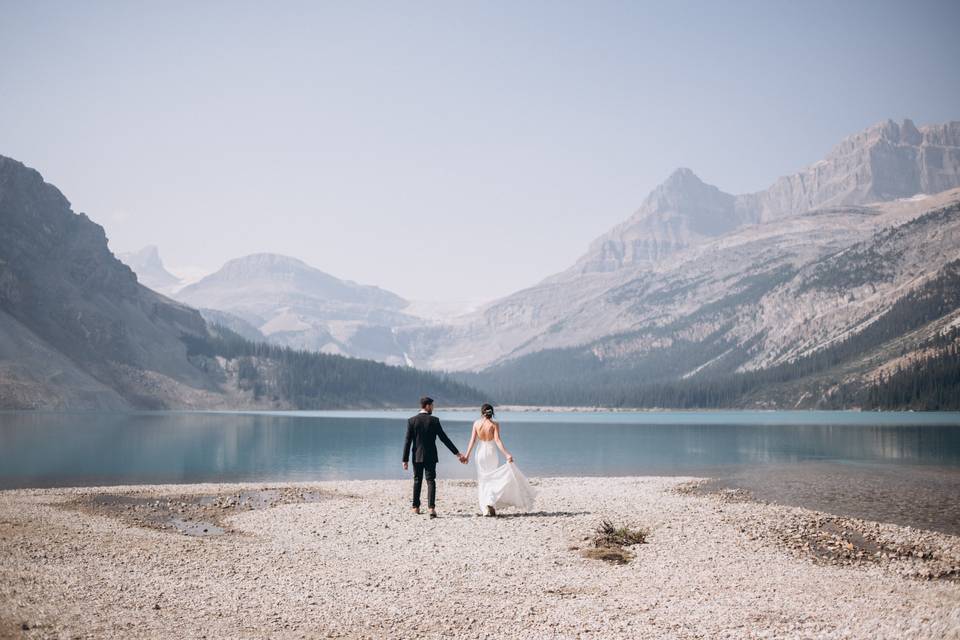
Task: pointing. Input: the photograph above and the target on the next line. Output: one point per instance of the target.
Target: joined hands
(462, 458)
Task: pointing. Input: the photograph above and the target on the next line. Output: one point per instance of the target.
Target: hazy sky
(442, 150)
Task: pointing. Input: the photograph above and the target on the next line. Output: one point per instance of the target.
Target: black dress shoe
(433, 514)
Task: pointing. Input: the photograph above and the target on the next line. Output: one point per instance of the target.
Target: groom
(423, 430)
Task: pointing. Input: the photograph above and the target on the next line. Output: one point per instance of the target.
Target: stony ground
(348, 560)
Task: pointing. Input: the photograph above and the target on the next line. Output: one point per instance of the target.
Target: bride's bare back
(486, 429)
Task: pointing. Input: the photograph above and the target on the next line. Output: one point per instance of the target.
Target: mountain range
(886, 162)
(78, 331)
(835, 282)
(691, 246)
(699, 286)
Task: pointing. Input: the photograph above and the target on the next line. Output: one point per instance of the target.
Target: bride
(497, 485)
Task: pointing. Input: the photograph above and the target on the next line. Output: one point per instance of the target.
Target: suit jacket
(423, 430)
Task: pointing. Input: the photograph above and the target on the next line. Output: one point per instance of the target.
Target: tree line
(312, 380)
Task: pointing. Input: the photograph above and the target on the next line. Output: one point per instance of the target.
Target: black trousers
(428, 469)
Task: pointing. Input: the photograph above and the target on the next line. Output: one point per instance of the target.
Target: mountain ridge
(759, 299)
(677, 213)
(294, 304)
(906, 160)
(64, 291)
(79, 331)
(846, 321)
(570, 308)
(884, 162)
(258, 264)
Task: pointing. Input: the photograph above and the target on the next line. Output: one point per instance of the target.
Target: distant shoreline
(532, 408)
(514, 408)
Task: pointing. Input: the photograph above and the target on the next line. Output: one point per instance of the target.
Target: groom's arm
(407, 442)
(445, 440)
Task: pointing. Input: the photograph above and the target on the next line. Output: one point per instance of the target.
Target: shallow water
(919, 496)
(840, 461)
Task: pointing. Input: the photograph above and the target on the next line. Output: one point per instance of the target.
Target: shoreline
(918, 496)
(342, 558)
(518, 408)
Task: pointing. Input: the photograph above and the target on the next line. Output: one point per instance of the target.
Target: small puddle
(199, 515)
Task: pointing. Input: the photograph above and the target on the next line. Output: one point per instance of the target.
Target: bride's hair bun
(487, 410)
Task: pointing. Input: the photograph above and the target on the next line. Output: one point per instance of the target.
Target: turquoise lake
(65, 449)
(893, 467)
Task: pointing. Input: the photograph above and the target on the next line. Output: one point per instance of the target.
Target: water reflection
(59, 449)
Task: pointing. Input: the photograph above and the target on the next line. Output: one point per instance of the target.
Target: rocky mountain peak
(680, 177)
(943, 135)
(685, 193)
(679, 212)
(294, 304)
(38, 229)
(149, 256)
(73, 312)
(264, 281)
(16, 177)
(265, 263)
(148, 266)
(909, 133)
(905, 133)
(886, 161)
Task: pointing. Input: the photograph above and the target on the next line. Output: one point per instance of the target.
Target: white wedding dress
(500, 485)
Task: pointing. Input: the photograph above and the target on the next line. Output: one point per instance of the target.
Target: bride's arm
(496, 438)
(473, 441)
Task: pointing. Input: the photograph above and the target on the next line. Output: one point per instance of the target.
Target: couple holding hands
(497, 485)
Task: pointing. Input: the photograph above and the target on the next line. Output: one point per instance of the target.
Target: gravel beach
(349, 560)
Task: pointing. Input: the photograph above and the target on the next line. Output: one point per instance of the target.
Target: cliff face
(679, 213)
(73, 315)
(885, 162)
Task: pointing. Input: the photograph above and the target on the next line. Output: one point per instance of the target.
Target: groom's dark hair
(424, 401)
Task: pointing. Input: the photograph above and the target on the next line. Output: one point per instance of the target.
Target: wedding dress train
(500, 485)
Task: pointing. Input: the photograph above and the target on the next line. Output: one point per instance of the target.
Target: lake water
(792, 457)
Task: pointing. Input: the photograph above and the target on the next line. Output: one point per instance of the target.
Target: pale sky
(442, 150)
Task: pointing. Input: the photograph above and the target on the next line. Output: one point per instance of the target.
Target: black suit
(423, 430)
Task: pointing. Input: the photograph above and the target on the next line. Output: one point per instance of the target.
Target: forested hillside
(905, 357)
(303, 379)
